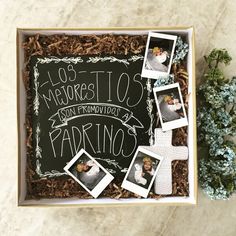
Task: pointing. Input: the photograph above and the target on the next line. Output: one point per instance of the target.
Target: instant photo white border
(134, 187)
(153, 74)
(23, 201)
(101, 185)
(174, 123)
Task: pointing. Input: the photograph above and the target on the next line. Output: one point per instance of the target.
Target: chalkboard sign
(99, 103)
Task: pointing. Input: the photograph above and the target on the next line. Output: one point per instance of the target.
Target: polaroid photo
(142, 172)
(84, 169)
(170, 106)
(158, 55)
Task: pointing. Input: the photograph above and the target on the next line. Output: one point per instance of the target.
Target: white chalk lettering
(66, 137)
(54, 138)
(123, 87)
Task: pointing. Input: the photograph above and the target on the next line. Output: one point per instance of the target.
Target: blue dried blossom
(218, 95)
(215, 185)
(164, 80)
(228, 91)
(181, 50)
(226, 167)
(216, 124)
(226, 152)
(223, 117)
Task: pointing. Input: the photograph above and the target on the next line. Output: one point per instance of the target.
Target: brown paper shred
(180, 178)
(75, 45)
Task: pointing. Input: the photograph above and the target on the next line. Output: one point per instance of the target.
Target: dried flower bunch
(216, 127)
(84, 45)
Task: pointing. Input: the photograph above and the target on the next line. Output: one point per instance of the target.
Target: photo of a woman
(143, 170)
(143, 174)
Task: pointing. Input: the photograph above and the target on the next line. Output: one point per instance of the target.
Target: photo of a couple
(157, 59)
(158, 55)
(170, 106)
(84, 169)
(87, 171)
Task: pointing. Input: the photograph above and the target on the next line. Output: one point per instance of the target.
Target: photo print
(158, 55)
(142, 172)
(170, 106)
(88, 173)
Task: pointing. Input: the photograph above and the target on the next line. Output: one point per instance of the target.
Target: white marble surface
(215, 26)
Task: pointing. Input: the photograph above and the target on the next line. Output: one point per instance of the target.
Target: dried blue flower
(181, 50)
(217, 120)
(164, 80)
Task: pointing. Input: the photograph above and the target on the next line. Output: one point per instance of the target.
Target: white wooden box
(21, 110)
